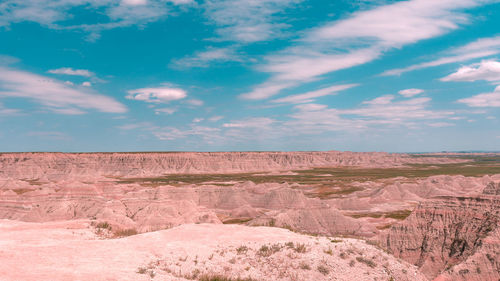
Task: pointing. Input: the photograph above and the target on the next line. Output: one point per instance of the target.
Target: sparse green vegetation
(303, 265)
(125, 232)
(328, 252)
(323, 269)
(20, 191)
(242, 249)
(237, 221)
(398, 215)
(216, 277)
(103, 225)
(340, 181)
(366, 261)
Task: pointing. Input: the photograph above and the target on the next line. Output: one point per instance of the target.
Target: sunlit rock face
(452, 238)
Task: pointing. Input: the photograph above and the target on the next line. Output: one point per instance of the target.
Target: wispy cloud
(484, 100)
(172, 133)
(71, 71)
(7, 111)
(359, 39)
(258, 122)
(440, 124)
(207, 57)
(247, 21)
(55, 95)
(157, 95)
(49, 135)
(195, 102)
(311, 96)
(480, 48)
(166, 110)
(56, 14)
(408, 93)
(488, 70)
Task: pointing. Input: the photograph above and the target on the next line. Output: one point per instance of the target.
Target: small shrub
(300, 248)
(323, 269)
(336, 240)
(126, 232)
(343, 255)
(103, 225)
(368, 262)
(264, 251)
(215, 277)
(304, 266)
(289, 245)
(352, 263)
(242, 249)
(142, 270)
(329, 251)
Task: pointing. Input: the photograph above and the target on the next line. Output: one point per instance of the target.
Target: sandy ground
(70, 250)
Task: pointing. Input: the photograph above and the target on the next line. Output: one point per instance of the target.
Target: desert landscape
(249, 216)
(249, 140)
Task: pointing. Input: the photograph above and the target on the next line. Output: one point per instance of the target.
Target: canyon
(250, 216)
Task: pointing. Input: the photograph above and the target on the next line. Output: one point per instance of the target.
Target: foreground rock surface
(71, 251)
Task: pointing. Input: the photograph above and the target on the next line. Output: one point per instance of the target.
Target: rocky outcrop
(492, 189)
(451, 237)
(57, 166)
(152, 208)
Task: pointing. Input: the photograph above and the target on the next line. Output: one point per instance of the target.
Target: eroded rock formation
(455, 238)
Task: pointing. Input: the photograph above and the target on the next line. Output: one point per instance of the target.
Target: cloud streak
(480, 48)
(157, 95)
(359, 39)
(55, 95)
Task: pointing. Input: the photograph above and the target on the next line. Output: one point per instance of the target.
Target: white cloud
(195, 102)
(172, 133)
(385, 108)
(484, 100)
(157, 95)
(165, 110)
(247, 21)
(134, 2)
(380, 100)
(480, 48)
(205, 58)
(197, 120)
(310, 96)
(310, 107)
(53, 94)
(440, 124)
(408, 93)
(257, 122)
(7, 111)
(55, 14)
(334, 46)
(486, 70)
(87, 84)
(133, 126)
(71, 71)
(215, 118)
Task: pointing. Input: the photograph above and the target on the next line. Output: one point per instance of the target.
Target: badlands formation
(249, 216)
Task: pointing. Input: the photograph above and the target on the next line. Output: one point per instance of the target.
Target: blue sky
(217, 75)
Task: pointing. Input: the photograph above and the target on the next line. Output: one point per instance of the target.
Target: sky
(249, 75)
